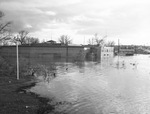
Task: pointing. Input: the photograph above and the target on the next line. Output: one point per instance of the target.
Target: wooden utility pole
(17, 61)
(118, 53)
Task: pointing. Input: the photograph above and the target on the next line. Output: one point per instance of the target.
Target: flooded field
(117, 86)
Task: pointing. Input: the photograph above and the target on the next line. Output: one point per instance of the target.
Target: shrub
(47, 72)
(5, 69)
(79, 57)
(26, 70)
(10, 69)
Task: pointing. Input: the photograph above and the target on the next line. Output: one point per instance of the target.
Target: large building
(43, 54)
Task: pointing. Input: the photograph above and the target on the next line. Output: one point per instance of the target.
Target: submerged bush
(5, 68)
(26, 70)
(79, 57)
(47, 72)
(10, 69)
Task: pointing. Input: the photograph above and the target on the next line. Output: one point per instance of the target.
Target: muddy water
(101, 88)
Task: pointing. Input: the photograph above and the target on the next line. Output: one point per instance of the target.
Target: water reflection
(100, 88)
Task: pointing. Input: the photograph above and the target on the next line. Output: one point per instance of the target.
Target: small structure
(51, 42)
(107, 52)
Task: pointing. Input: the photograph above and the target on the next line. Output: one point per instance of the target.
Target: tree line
(100, 41)
(8, 38)
(22, 37)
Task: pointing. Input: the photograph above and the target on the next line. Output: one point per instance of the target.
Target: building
(42, 54)
(97, 53)
(51, 42)
(107, 52)
(124, 50)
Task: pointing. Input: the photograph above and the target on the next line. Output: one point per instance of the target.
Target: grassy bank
(13, 96)
(15, 100)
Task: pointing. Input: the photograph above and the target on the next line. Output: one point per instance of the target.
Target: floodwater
(100, 88)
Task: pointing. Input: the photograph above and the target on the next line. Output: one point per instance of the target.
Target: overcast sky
(127, 20)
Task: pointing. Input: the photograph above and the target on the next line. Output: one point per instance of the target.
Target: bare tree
(91, 41)
(21, 37)
(4, 29)
(65, 39)
(110, 43)
(1, 14)
(96, 40)
(5, 42)
(99, 41)
(32, 40)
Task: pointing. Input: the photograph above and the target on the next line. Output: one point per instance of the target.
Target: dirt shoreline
(15, 100)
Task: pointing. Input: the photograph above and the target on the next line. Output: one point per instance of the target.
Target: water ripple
(101, 88)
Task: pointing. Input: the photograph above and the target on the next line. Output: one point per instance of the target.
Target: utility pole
(17, 61)
(118, 53)
(118, 46)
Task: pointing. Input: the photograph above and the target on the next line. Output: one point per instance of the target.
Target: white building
(107, 52)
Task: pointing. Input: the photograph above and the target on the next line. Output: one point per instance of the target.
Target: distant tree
(21, 37)
(96, 40)
(91, 41)
(1, 14)
(32, 40)
(65, 39)
(4, 42)
(99, 41)
(43, 41)
(110, 43)
(4, 29)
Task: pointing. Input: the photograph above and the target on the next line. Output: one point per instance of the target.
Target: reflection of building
(92, 53)
(96, 53)
(126, 51)
(107, 52)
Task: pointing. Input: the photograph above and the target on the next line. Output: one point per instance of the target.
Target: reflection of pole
(66, 52)
(17, 61)
(92, 56)
(118, 47)
(118, 53)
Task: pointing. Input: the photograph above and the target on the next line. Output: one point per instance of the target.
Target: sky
(126, 20)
